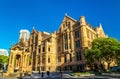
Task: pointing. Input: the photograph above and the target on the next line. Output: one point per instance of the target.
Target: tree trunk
(108, 66)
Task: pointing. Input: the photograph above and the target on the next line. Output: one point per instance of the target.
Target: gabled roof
(19, 45)
(70, 17)
(67, 16)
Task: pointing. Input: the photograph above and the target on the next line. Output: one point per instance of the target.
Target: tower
(24, 34)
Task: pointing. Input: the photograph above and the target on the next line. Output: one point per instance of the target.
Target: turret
(82, 21)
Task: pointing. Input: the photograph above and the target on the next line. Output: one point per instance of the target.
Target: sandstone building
(43, 48)
(61, 50)
(64, 49)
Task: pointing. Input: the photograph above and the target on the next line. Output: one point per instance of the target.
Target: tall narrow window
(66, 46)
(77, 43)
(66, 36)
(69, 36)
(39, 50)
(78, 56)
(49, 49)
(77, 34)
(49, 60)
(65, 58)
(43, 49)
(70, 57)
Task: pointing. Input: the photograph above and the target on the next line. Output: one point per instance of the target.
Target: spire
(66, 14)
(100, 25)
(82, 20)
(33, 28)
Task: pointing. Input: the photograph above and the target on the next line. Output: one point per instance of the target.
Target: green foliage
(92, 55)
(3, 59)
(107, 49)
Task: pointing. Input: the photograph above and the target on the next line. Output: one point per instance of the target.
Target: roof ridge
(66, 15)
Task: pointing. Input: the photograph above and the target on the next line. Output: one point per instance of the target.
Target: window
(66, 36)
(58, 49)
(38, 59)
(39, 50)
(77, 43)
(69, 36)
(43, 49)
(69, 45)
(77, 34)
(49, 49)
(71, 68)
(49, 60)
(65, 58)
(68, 24)
(78, 56)
(66, 46)
(70, 57)
(43, 60)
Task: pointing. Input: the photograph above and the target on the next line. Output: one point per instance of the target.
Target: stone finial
(66, 14)
(82, 20)
(33, 28)
(100, 25)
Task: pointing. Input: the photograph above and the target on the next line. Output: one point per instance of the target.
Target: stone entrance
(19, 59)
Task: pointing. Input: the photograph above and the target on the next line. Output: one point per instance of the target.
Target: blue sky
(46, 15)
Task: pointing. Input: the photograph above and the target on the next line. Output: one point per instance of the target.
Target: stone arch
(17, 62)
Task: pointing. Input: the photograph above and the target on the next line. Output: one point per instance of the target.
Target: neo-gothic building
(64, 49)
(43, 48)
(61, 50)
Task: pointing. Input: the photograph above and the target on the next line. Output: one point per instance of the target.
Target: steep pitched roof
(67, 16)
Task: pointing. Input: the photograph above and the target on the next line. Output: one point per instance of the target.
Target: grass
(82, 73)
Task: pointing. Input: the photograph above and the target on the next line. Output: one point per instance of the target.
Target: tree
(92, 56)
(3, 59)
(108, 49)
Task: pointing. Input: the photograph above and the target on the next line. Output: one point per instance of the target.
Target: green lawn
(82, 73)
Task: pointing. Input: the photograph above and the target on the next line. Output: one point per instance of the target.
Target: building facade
(74, 37)
(64, 49)
(61, 50)
(19, 59)
(43, 48)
